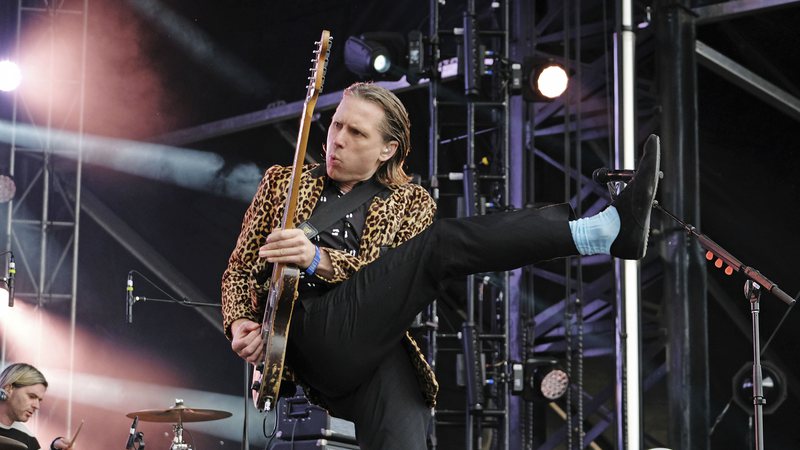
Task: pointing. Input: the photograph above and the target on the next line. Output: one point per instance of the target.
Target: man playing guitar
(348, 343)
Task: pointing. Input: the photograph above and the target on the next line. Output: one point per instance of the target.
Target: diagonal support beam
(747, 80)
(147, 255)
(263, 117)
(732, 9)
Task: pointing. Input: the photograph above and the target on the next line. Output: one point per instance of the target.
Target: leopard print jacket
(390, 221)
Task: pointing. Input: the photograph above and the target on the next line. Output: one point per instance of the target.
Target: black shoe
(635, 202)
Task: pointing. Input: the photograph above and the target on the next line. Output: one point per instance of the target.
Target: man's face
(355, 147)
(23, 401)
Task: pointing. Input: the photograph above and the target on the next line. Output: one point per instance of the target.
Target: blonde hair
(21, 375)
(396, 126)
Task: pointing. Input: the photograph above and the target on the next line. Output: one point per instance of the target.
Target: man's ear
(388, 151)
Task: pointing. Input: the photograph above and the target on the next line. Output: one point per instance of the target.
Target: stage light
(10, 76)
(543, 80)
(542, 379)
(377, 55)
(553, 382)
(552, 81)
(773, 382)
(382, 63)
(7, 188)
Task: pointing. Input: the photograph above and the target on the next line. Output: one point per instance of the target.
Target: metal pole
(433, 170)
(684, 265)
(628, 374)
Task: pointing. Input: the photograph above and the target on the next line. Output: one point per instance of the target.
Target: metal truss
(43, 221)
(468, 170)
(578, 327)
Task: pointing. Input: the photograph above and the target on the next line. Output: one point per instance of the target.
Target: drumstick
(75, 436)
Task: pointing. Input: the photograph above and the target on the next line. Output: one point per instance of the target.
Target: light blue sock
(594, 235)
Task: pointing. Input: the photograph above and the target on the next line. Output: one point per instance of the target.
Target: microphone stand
(752, 290)
(185, 302)
(132, 299)
(181, 301)
(750, 272)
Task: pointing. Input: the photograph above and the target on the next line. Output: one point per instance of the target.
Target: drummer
(23, 388)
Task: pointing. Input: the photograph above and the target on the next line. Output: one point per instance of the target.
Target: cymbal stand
(177, 441)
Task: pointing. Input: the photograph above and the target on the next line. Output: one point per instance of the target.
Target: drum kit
(178, 414)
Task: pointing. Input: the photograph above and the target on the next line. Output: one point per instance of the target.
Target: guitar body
(283, 284)
(278, 313)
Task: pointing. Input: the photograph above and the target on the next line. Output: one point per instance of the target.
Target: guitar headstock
(319, 65)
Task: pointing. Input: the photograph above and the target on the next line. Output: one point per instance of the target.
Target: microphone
(132, 435)
(12, 270)
(605, 175)
(129, 299)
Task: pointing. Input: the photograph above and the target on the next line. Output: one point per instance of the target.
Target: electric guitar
(283, 284)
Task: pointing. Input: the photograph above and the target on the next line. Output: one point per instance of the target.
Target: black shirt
(21, 436)
(344, 234)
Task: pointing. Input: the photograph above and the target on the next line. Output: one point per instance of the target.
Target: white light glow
(381, 64)
(552, 81)
(10, 76)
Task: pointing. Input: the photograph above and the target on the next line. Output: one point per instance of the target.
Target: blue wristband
(313, 267)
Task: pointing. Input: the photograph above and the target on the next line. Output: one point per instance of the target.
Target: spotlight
(10, 76)
(544, 80)
(541, 379)
(552, 81)
(7, 188)
(773, 382)
(385, 55)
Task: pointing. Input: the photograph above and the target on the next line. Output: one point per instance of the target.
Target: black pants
(342, 341)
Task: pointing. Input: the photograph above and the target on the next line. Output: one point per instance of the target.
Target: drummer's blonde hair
(21, 375)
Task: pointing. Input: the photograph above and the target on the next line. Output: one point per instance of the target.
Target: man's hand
(246, 340)
(62, 443)
(288, 247)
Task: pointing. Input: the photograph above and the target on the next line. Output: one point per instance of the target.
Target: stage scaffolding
(43, 220)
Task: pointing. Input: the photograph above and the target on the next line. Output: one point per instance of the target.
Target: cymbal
(178, 413)
(11, 444)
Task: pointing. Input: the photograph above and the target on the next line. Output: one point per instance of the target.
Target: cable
(294, 426)
(272, 435)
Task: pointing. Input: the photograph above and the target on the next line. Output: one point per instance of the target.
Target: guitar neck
(297, 168)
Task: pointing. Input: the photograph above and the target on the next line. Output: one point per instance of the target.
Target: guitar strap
(326, 214)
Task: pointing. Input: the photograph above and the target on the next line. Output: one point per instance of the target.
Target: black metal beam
(684, 268)
(732, 9)
(747, 80)
(262, 117)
